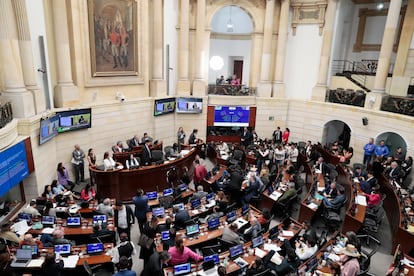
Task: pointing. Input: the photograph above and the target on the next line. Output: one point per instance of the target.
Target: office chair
(371, 226)
(95, 270)
(107, 238)
(256, 199)
(211, 249)
(166, 201)
(365, 261)
(224, 245)
(362, 166)
(237, 157)
(282, 209)
(265, 227)
(167, 150)
(157, 156)
(230, 207)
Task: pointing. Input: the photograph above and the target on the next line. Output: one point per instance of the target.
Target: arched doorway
(393, 141)
(230, 41)
(336, 130)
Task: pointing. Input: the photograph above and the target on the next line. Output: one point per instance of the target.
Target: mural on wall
(112, 37)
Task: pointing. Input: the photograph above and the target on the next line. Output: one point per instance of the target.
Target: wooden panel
(29, 155)
(210, 115)
(252, 118)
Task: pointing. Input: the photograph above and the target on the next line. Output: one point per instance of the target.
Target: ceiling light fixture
(229, 23)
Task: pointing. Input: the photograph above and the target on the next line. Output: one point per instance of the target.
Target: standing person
(150, 230)
(123, 218)
(91, 158)
(126, 249)
(382, 150)
(246, 137)
(193, 137)
(399, 155)
(156, 263)
(277, 136)
(180, 137)
(77, 160)
(285, 136)
(200, 172)
(63, 177)
(141, 208)
(146, 153)
(368, 151)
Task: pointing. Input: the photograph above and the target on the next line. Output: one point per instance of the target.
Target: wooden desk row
(156, 202)
(86, 228)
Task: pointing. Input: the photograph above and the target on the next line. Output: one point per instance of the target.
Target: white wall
(228, 49)
(242, 22)
(170, 38)
(342, 30)
(302, 66)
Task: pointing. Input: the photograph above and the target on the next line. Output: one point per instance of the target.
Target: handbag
(145, 241)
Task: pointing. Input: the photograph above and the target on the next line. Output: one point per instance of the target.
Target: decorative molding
(364, 13)
(309, 13)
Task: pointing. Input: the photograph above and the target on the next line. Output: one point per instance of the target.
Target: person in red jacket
(200, 172)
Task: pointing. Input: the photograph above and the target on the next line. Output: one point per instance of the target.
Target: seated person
(164, 226)
(181, 216)
(49, 210)
(173, 151)
(216, 213)
(331, 191)
(181, 254)
(308, 233)
(289, 264)
(145, 138)
(99, 230)
(255, 267)
(118, 147)
(254, 230)
(8, 234)
(220, 80)
(230, 234)
(58, 238)
(50, 267)
(105, 208)
(353, 239)
(223, 149)
(251, 190)
(31, 209)
(110, 164)
(59, 191)
(222, 201)
(280, 205)
(29, 240)
(337, 202)
(132, 162)
(234, 80)
(199, 194)
(305, 250)
(264, 217)
(366, 185)
(349, 260)
(88, 193)
(374, 198)
(124, 268)
(359, 173)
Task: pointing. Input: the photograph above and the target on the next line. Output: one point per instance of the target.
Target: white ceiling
(242, 23)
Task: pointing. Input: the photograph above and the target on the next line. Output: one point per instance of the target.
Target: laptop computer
(195, 203)
(152, 195)
(182, 269)
(180, 206)
(99, 218)
(62, 249)
(48, 221)
(258, 241)
(73, 222)
(231, 216)
(23, 257)
(192, 230)
(168, 192)
(33, 248)
(158, 212)
(235, 253)
(94, 248)
(213, 223)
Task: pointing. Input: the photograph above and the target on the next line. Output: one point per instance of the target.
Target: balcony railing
(400, 105)
(348, 97)
(231, 90)
(6, 114)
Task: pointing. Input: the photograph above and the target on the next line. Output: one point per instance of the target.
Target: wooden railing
(231, 90)
(6, 114)
(400, 105)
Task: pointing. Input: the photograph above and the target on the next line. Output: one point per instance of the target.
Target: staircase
(354, 71)
(359, 80)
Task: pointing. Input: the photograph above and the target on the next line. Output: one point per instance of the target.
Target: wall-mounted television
(232, 116)
(164, 106)
(189, 105)
(74, 119)
(48, 128)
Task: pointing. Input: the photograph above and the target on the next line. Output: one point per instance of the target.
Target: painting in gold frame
(112, 37)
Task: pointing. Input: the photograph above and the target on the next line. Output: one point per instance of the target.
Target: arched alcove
(336, 130)
(393, 141)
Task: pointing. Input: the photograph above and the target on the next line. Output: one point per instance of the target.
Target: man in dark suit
(331, 191)
(246, 137)
(193, 137)
(155, 264)
(141, 208)
(395, 173)
(123, 218)
(181, 216)
(146, 153)
(277, 136)
(366, 185)
(133, 142)
(322, 167)
(337, 202)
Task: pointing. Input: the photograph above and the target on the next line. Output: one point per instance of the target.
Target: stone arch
(392, 140)
(336, 130)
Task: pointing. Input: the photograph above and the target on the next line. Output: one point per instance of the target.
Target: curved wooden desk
(122, 184)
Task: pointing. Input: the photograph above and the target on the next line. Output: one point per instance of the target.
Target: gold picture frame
(113, 37)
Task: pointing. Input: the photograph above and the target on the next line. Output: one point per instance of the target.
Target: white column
(66, 93)
(264, 88)
(158, 86)
(373, 100)
(12, 74)
(279, 85)
(26, 53)
(183, 85)
(319, 91)
(199, 83)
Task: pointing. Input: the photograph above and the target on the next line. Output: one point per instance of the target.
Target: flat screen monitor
(231, 216)
(73, 221)
(165, 235)
(164, 106)
(152, 195)
(99, 218)
(158, 212)
(189, 105)
(245, 209)
(311, 263)
(232, 116)
(62, 249)
(74, 119)
(192, 229)
(26, 217)
(48, 129)
(213, 223)
(182, 269)
(214, 257)
(48, 220)
(179, 206)
(94, 248)
(236, 251)
(183, 187)
(210, 196)
(168, 192)
(258, 241)
(195, 203)
(33, 248)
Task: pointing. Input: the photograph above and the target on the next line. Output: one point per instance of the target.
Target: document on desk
(271, 246)
(321, 189)
(21, 227)
(276, 259)
(275, 195)
(313, 205)
(259, 253)
(287, 233)
(195, 212)
(361, 200)
(70, 261)
(48, 230)
(35, 263)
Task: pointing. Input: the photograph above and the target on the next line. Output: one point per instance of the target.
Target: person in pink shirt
(88, 193)
(374, 198)
(181, 254)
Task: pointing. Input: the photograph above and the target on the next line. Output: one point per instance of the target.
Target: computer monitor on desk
(192, 230)
(214, 257)
(179, 206)
(158, 212)
(182, 269)
(165, 235)
(99, 218)
(196, 203)
(62, 249)
(258, 241)
(26, 217)
(152, 195)
(183, 187)
(94, 248)
(48, 221)
(231, 216)
(73, 221)
(245, 209)
(236, 251)
(210, 196)
(168, 192)
(213, 223)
